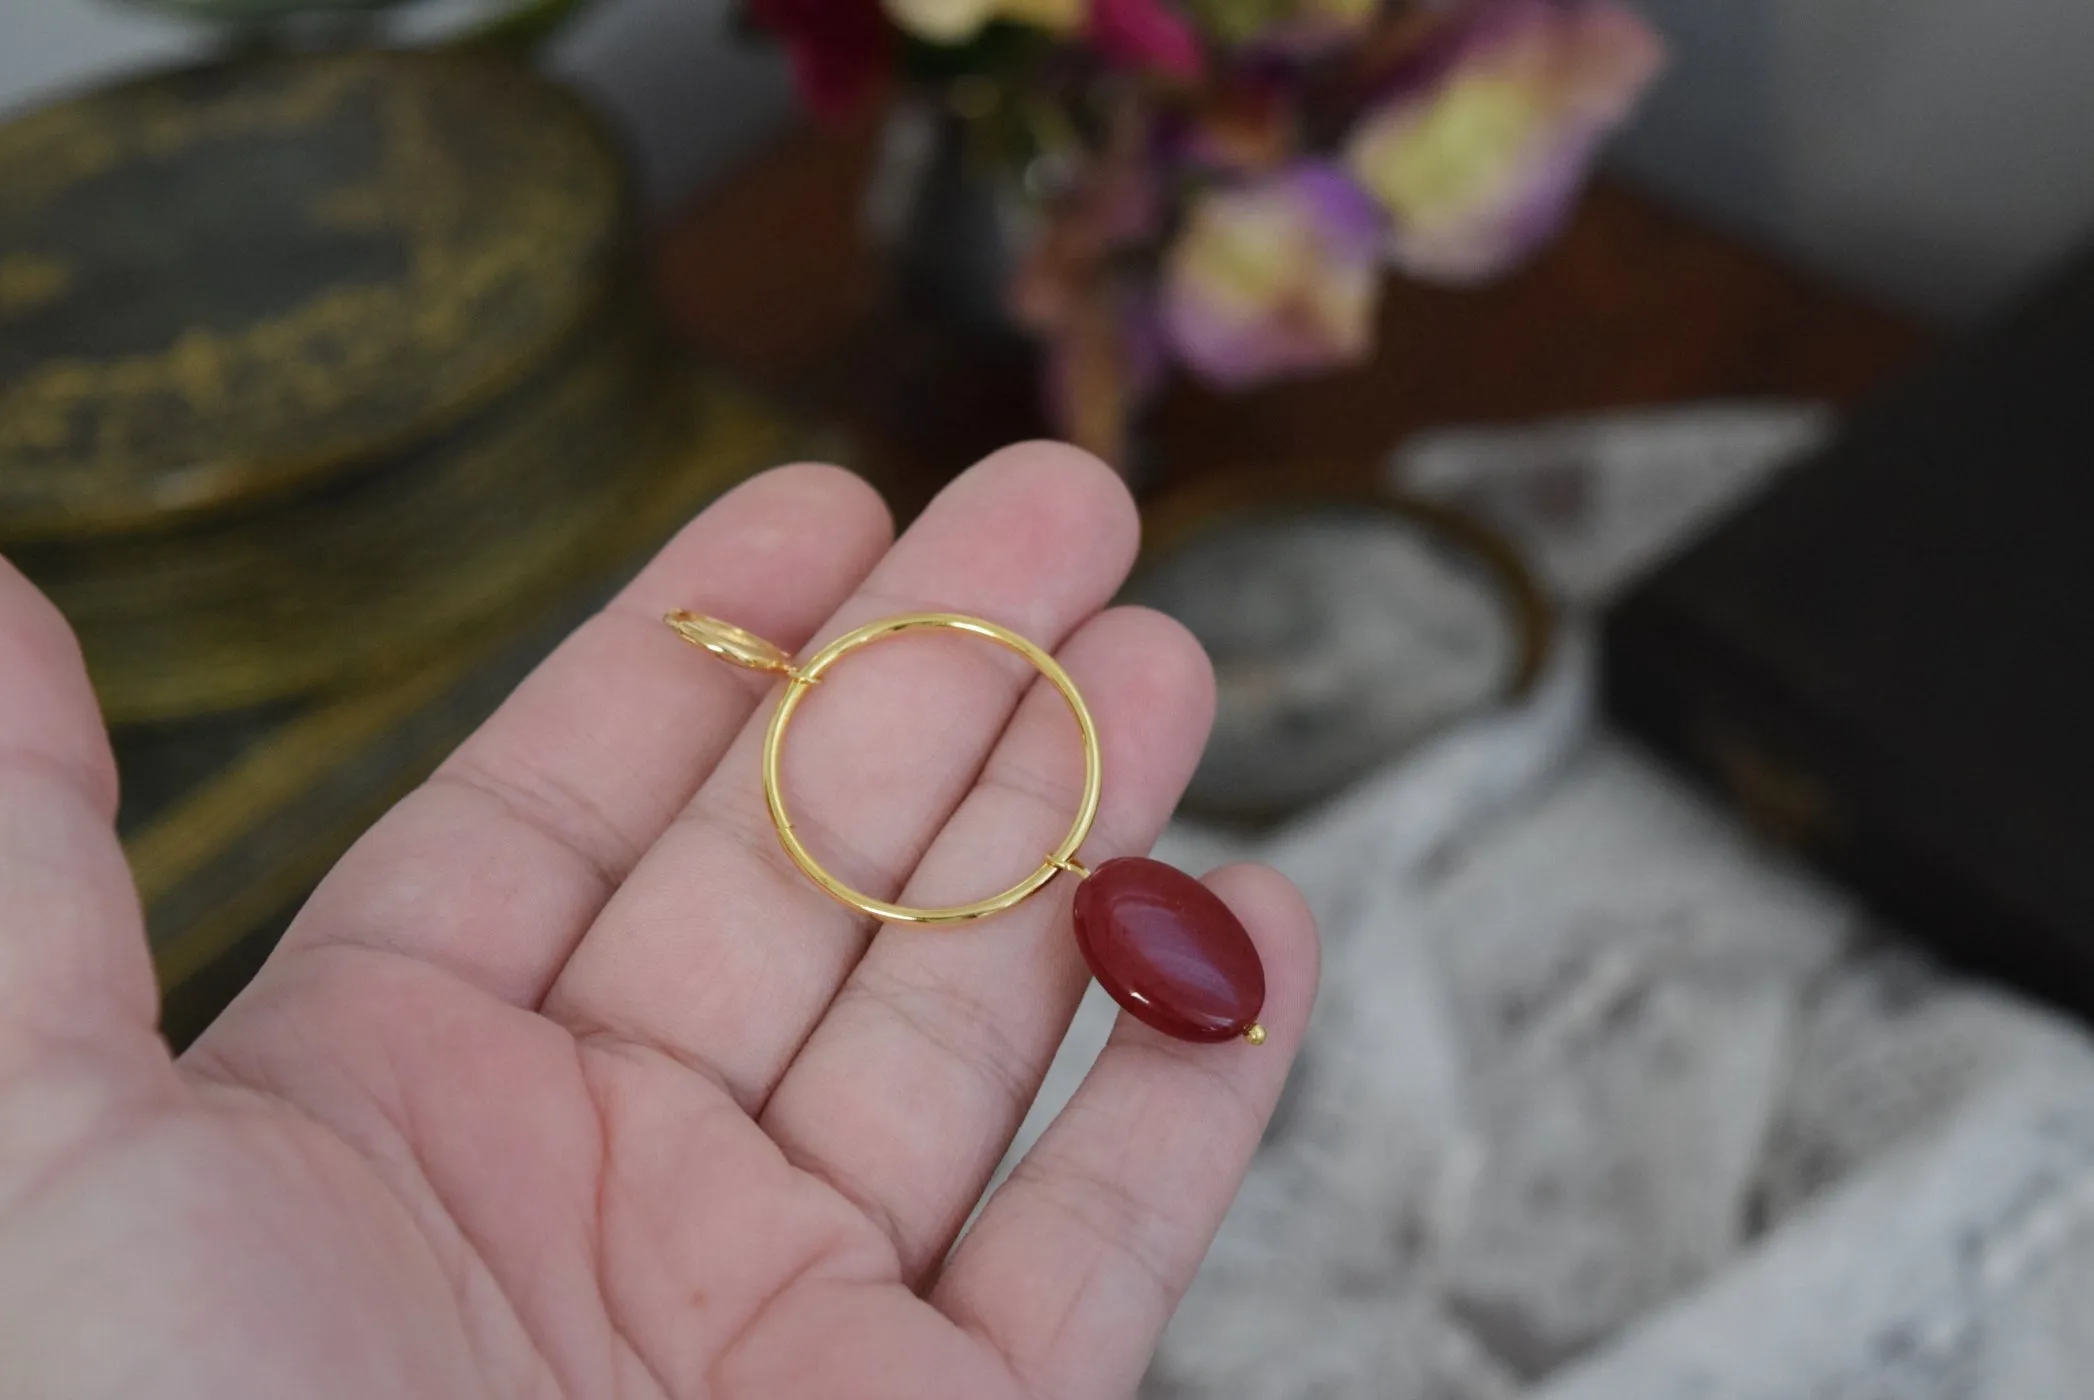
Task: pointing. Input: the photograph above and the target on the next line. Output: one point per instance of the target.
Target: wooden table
(1634, 305)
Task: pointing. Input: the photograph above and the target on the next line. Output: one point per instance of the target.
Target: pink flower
(1147, 34)
(1479, 153)
(840, 50)
(1277, 277)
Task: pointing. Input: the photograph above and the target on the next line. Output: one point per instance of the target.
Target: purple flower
(1479, 152)
(1277, 277)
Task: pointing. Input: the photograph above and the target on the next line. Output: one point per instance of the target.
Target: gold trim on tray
(503, 227)
(225, 825)
(376, 575)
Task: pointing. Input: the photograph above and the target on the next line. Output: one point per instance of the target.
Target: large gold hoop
(801, 679)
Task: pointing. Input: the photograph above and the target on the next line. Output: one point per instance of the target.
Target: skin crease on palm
(565, 1083)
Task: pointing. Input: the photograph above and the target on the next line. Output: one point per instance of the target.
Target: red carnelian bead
(1169, 950)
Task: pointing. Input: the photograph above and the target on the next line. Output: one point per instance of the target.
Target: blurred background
(1627, 458)
(1914, 149)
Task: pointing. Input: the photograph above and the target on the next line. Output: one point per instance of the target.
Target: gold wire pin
(730, 643)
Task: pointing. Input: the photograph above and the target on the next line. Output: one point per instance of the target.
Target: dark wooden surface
(1635, 305)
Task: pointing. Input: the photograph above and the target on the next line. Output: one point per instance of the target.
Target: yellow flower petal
(941, 21)
(1438, 161)
(957, 21)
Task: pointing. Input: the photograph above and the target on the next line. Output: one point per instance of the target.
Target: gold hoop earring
(1164, 945)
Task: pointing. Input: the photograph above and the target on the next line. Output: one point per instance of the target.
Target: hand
(565, 1082)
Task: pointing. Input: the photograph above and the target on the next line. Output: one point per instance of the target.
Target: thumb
(73, 961)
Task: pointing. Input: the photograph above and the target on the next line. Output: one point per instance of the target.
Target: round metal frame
(731, 643)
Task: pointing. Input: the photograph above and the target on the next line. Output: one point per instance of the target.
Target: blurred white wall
(691, 98)
(45, 45)
(1928, 151)
(1931, 151)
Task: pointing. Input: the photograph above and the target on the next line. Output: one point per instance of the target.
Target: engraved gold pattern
(499, 193)
(30, 280)
(374, 576)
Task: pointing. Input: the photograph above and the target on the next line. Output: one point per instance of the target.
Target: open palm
(566, 1083)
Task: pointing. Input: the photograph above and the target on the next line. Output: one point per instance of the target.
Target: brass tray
(226, 281)
(230, 819)
(377, 570)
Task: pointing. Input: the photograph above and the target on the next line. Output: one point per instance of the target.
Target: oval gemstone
(1167, 949)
